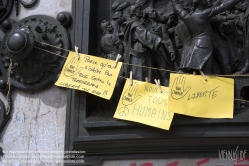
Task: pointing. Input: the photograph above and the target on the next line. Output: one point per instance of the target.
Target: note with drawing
(90, 74)
(192, 95)
(72, 67)
(144, 103)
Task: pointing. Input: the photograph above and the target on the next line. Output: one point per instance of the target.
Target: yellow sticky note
(144, 103)
(90, 74)
(192, 95)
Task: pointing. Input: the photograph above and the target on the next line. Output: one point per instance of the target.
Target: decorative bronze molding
(24, 4)
(33, 67)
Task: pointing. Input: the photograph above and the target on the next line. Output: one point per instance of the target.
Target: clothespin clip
(146, 79)
(131, 78)
(117, 59)
(158, 85)
(203, 75)
(77, 52)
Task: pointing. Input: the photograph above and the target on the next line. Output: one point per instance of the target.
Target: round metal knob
(62, 18)
(17, 42)
(5, 24)
(2, 84)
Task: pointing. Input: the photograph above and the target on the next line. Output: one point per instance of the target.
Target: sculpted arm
(178, 10)
(212, 11)
(120, 47)
(123, 5)
(178, 41)
(168, 41)
(146, 38)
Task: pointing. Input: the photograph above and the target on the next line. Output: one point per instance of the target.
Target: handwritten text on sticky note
(142, 102)
(90, 74)
(192, 95)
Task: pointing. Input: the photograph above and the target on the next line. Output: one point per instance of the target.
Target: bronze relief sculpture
(106, 138)
(199, 56)
(200, 36)
(181, 36)
(245, 24)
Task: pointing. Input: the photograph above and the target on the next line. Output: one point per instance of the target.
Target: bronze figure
(199, 56)
(160, 56)
(139, 42)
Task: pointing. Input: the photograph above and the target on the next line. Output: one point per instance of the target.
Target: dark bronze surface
(5, 9)
(7, 24)
(17, 41)
(33, 68)
(64, 18)
(91, 128)
(181, 36)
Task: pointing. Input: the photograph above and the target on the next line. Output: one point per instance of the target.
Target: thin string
(53, 46)
(145, 67)
(50, 52)
(242, 100)
(149, 67)
(235, 75)
(9, 84)
(215, 75)
(123, 63)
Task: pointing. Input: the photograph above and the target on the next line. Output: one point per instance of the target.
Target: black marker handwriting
(178, 91)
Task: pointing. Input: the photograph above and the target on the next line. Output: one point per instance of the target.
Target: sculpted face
(152, 14)
(109, 27)
(106, 26)
(139, 12)
(118, 16)
(242, 6)
(121, 19)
